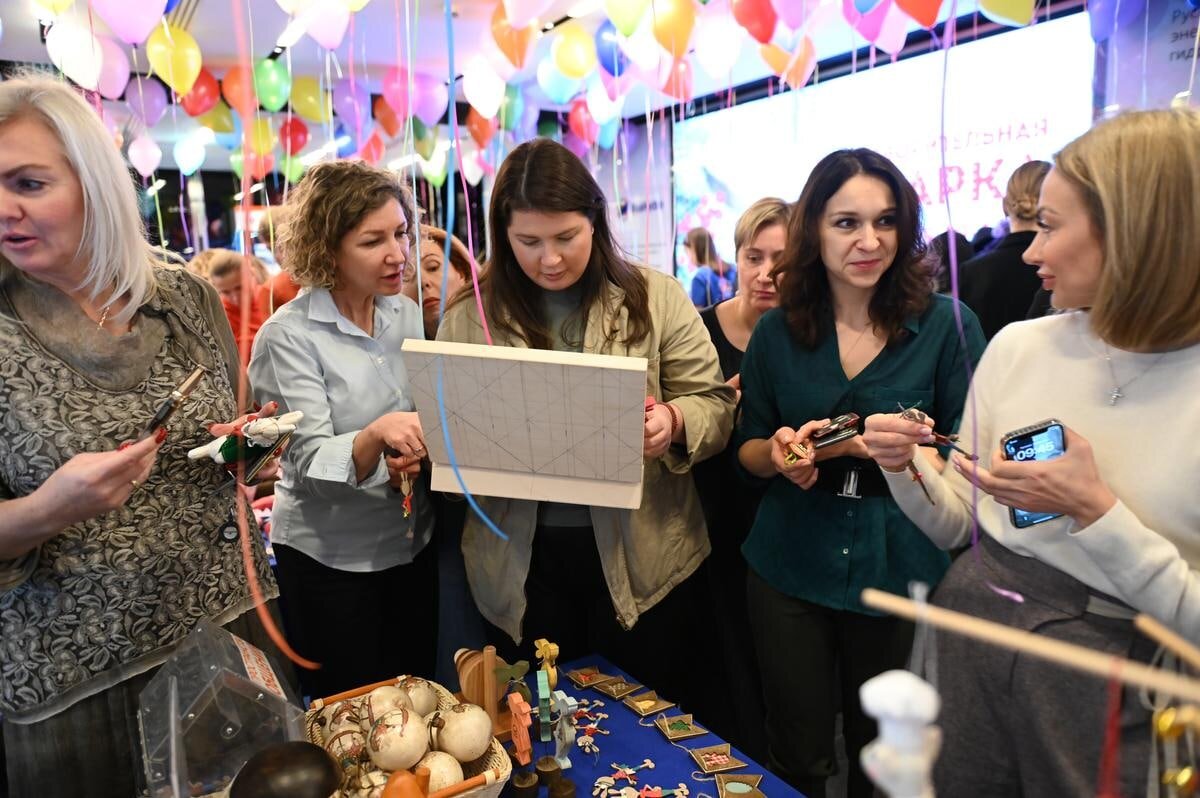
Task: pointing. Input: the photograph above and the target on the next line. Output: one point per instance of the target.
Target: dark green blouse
(814, 544)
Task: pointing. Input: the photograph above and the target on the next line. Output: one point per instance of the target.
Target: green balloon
(512, 108)
(435, 179)
(292, 169)
(236, 162)
(424, 139)
(549, 129)
(272, 83)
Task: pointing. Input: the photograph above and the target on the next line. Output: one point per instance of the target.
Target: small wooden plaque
(638, 703)
(618, 688)
(679, 727)
(588, 677)
(739, 785)
(716, 758)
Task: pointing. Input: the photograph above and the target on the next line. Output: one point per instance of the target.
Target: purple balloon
(352, 104)
(1109, 16)
(147, 99)
(430, 98)
(575, 144)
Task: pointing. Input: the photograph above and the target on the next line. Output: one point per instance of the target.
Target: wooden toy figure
(547, 653)
(564, 727)
(900, 761)
(251, 443)
(521, 721)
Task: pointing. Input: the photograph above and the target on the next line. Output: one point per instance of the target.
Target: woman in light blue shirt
(351, 519)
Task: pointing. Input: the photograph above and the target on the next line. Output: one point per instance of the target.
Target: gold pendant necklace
(103, 319)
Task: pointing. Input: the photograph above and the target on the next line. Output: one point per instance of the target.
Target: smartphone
(1045, 440)
(839, 429)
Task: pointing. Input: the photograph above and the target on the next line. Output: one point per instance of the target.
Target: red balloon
(482, 129)
(386, 117)
(580, 121)
(756, 16)
(237, 87)
(293, 135)
(679, 81)
(259, 166)
(372, 151)
(203, 96)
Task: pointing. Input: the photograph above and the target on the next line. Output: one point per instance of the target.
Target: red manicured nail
(124, 445)
(161, 435)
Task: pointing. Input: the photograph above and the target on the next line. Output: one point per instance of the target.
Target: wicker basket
(496, 757)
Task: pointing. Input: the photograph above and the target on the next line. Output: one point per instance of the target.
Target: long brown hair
(544, 176)
(903, 290)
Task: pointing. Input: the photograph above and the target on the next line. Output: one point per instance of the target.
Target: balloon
(261, 137)
(557, 87)
(356, 5)
(327, 22)
(386, 117)
(434, 167)
(679, 81)
(522, 13)
(608, 49)
(147, 100)
(793, 13)
(430, 98)
(237, 163)
(144, 154)
(76, 52)
(372, 151)
(472, 167)
(114, 69)
(719, 43)
(580, 122)
(170, 6)
(293, 134)
(232, 139)
(869, 24)
(237, 87)
(395, 91)
(175, 56)
(795, 68)
(481, 128)
(483, 89)
(642, 48)
(923, 12)
(512, 108)
(424, 139)
(344, 139)
(219, 118)
(600, 105)
(894, 31)
(497, 60)
(352, 103)
(756, 16)
(309, 101)
(608, 134)
(203, 97)
(529, 116)
(573, 50)
(293, 169)
(575, 145)
(866, 6)
(513, 42)
(549, 129)
(626, 14)
(673, 23)
(272, 83)
(1107, 16)
(189, 154)
(260, 165)
(53, 7)
(131, 22)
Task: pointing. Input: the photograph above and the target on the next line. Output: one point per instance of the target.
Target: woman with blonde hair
(1118, 527)
(114, 545)
(999, 285)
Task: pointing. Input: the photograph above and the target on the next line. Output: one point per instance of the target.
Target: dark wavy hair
(544, 176)
(903, 290)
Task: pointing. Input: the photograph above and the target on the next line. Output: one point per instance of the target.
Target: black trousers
(569, 604)
(804, 652)
(361, 627)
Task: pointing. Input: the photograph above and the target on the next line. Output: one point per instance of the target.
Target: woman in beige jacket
(595, 580)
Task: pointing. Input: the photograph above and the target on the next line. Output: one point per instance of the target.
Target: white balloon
(326, 21)
(189, 154)
(75, 51)
(602, 107)
(482, 87)
(522, 12)
(718, 44)
(144, 154)
(642, 48)
(497, 60)
(472, 169)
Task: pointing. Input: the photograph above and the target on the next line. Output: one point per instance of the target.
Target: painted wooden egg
(366, 784)
(398, 740)
(424, 698)
(347, 745)
(464, 731)
(379, 702)
(444, 770)
(336, 716)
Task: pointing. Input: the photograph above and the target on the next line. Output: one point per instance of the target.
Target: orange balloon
(237, 87)
(673, 23)
(482, 129)
(372, 151)
(923, 12)
(795, 68)
(513, 42)
(386, 117)
(679, 81)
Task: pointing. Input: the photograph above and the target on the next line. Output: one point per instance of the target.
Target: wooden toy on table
(547, 653)
(543, 697)
(521, 720)
(478, 683)
(564, 727)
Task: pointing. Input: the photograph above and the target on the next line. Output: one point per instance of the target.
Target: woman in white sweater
(1118, 233)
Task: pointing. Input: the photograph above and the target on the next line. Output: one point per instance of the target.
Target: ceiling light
(584, 8)
(292, 33)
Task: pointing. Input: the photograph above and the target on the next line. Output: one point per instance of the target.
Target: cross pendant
(1115, 396)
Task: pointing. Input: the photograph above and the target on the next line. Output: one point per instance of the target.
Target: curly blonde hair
(329, 202)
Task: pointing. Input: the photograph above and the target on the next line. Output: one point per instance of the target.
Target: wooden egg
(398, 740)
(379, 702)
(347, 745)
(444, 770)
(367, 784)
(464, 731)
(336, 716)
(424, 698)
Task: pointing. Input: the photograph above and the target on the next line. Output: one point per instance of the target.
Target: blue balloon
(608, 52)
(866, 6)
(170, 6)
(231, 141)
(558, 87)
(607, 136)
(344, 140)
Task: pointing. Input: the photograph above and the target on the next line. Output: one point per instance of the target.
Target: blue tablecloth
(630, 744)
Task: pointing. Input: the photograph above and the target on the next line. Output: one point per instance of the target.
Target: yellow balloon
(54, 7)
(673, 23)
(574, 50)
(1008, 12)
(175, 57)
(356, 5)
(218, 120)
(262, 136)
(309, 101)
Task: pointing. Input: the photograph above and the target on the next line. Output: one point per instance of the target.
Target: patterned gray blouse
(109, 598)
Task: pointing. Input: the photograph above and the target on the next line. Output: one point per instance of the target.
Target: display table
(629, 743)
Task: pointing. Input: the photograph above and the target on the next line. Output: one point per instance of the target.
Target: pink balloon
(352, 103)
(327, 23)
(894, 31)
(575, 144)
(395, 91)
(131, 21)
(793, 12)
(868, 24)
(430, 98)
(114, 69)
(147, 99)
(144, 154)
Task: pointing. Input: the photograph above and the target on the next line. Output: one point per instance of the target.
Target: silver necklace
(1116, 394)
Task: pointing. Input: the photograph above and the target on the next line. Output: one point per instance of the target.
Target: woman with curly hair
(351, 521)
(858, 330)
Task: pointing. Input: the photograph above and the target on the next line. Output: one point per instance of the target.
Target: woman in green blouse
(858, 330)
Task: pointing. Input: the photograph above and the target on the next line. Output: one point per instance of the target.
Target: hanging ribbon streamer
(183, 210)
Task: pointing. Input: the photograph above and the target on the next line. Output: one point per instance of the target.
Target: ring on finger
(134, 483)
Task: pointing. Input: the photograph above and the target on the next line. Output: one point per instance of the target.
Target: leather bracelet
(675, 422)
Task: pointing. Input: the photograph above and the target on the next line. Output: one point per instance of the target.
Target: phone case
(1019, 433)
(837, 437)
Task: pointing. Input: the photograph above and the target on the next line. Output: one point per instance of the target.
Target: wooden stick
(355, 693)
(490, 776)
(1068, 654)
(1168, 639)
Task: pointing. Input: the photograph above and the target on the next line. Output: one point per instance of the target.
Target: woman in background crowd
(432, 275)
(714, 280)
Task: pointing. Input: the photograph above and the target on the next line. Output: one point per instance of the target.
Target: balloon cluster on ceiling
(649, 43)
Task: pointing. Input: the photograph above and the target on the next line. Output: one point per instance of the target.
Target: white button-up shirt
(310, 357)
